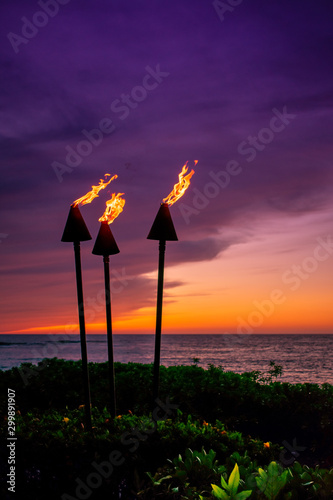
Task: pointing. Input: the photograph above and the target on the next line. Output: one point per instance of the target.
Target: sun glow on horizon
(252, 286)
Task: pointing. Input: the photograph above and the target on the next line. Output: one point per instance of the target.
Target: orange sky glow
(272, 282)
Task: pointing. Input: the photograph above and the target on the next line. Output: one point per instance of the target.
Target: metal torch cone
(76, 231)
(162, 230)
(106, 245)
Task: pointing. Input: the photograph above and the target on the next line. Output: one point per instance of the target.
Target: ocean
(304, 358)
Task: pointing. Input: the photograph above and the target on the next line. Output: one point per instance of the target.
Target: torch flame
(181, 186)
(89, 197)
(113, 208)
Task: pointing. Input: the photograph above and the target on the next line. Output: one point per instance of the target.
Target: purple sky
(222, 82)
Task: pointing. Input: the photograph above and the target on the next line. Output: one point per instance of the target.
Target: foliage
(272, 480)
(274, 372)
(252, 403)
(308, 482)
(189, 476)
(237, 417)
(229, 489)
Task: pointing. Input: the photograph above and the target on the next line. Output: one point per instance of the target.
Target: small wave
(13, 343)
(22, 343)
(67, 341)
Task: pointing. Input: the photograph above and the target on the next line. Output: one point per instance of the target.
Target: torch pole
(158, 319)
(162, 230)
(82, 334)
(106, 261)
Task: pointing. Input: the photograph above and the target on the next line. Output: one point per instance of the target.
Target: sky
(137, 89)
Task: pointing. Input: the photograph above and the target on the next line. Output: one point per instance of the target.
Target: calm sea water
(305, 358)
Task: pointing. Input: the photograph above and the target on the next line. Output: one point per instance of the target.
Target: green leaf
(188, 463)
(243, 495)
(236, 456)
(297, 467)
(262, 473)
(219, 493)
(234, 480)
(272, 481)
(308, 484)
(305, 476)
(224, 483)
(273, 469)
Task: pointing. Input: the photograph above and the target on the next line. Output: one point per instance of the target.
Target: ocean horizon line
(168, 333)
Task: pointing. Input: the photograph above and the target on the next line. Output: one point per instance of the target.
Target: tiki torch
(106, 245)
(163, 230)
(76, 231)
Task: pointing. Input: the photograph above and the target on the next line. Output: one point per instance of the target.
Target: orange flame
(181, 186)
(113, 208)
(89, 197)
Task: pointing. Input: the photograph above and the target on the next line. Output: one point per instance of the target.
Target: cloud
(298, 202)
(225, 79)
(197, 251)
